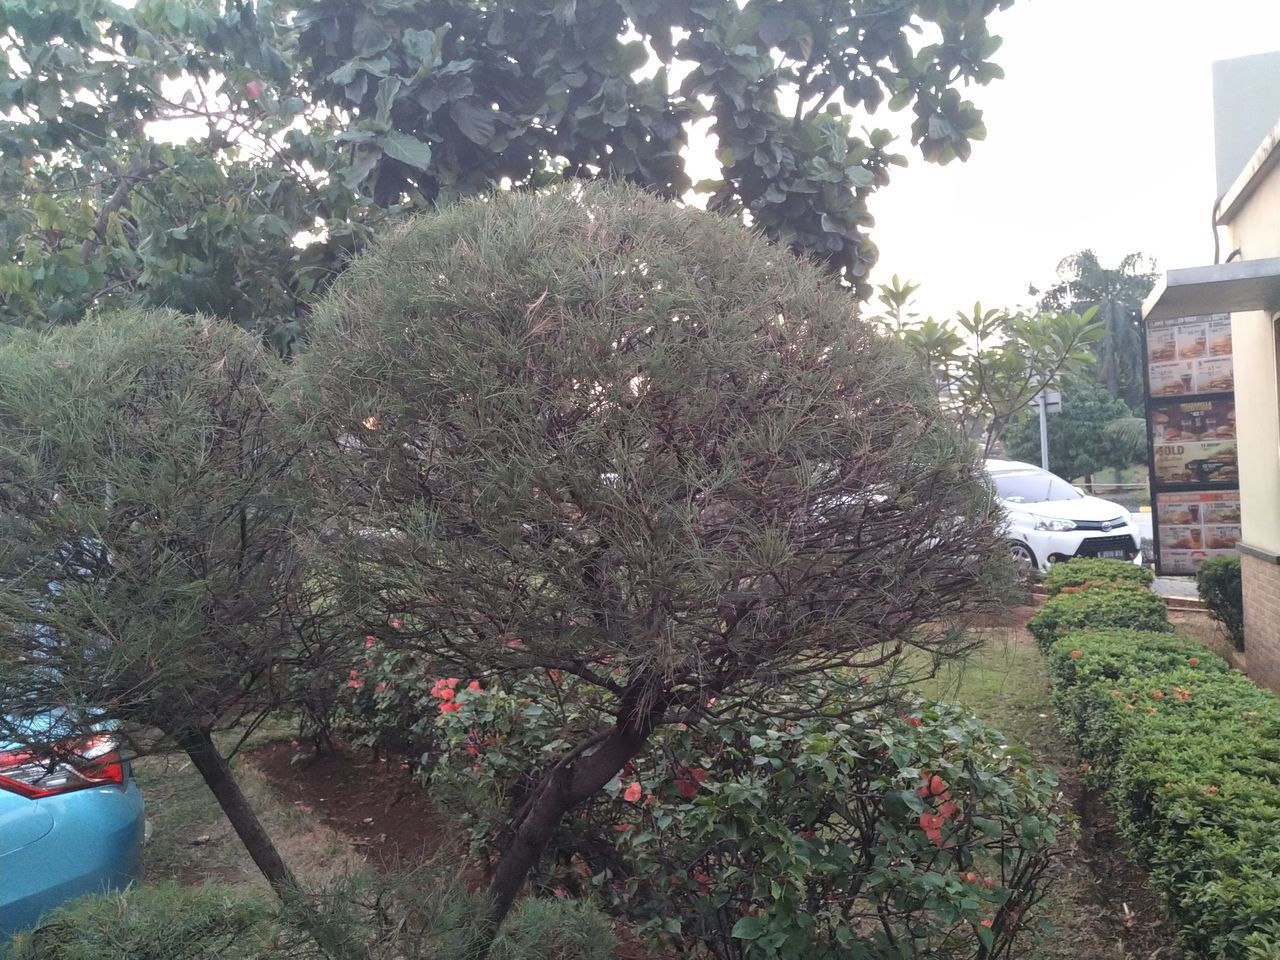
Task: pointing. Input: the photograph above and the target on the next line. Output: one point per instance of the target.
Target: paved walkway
(1176, 587)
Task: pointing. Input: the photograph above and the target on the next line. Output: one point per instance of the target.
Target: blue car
(69, 827)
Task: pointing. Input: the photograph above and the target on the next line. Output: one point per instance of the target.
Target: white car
(1049, 520)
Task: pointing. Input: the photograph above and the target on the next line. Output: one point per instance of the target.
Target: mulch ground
(373, 802)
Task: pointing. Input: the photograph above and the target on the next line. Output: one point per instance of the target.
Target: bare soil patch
(373, 802)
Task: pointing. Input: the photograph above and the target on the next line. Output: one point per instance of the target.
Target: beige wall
(1255, 231)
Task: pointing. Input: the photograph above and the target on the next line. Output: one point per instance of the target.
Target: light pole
(1047, 401)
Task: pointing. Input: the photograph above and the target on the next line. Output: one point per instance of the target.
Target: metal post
(1042, 404)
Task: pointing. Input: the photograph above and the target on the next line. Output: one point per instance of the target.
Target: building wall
(1261, 659)
(1255, 231)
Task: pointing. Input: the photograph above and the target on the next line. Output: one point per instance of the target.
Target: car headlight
(1057, 526)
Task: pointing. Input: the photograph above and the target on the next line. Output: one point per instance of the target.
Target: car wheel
(1024, 558)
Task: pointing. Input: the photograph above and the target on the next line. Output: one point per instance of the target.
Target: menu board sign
(1189, 356)
(1193, 526)
(1191, 418)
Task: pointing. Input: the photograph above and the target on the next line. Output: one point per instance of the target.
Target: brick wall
(1261, 580)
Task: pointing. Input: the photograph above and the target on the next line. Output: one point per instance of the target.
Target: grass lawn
(192, 842)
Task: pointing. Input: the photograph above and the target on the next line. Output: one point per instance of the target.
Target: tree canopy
(1117, 294)
(1089, 434)
(148, 572)
(228, 157)
(593, 432)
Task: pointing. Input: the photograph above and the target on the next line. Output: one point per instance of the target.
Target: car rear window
(1037, 487)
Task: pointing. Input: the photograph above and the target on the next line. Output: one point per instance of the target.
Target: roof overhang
(1260, 164)
(1236, 287)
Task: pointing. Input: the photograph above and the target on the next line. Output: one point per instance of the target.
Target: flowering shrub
(1125, 606)
(834, 833)
(1090, 571)
(1189, 754)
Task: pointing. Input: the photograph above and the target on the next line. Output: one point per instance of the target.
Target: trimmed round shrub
(164, 922)
(1086, 571)
(1219, 585)
(428, 915)
(1125, 606)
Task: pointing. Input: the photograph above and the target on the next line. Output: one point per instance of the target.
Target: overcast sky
(1100, 135)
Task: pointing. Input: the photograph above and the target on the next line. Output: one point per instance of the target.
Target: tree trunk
(563, 788)
(235, 805)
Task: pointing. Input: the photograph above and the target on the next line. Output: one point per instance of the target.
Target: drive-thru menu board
(1191, 422)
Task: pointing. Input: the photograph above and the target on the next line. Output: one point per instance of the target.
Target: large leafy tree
(591, 432)
(1093, 431)
(229, 155)
(1117, 294)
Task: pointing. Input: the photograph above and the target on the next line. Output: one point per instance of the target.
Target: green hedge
(1077, 573)
(1219, 585)
(1124, 606)
(1188, 752)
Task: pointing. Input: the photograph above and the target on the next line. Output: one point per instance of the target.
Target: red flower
(633, 793)
(930, 822)
(1076, 654)
(474, 685)
(1192, 661)
(473, 750)
(382, 688)
(445, 694)
(987, 924)
(396, 623)
(355, 683)
(453, 707)
(947, 810)
(554, 675)
(699, 775)
(369, 641)
(622, 827)
(253, 89)
(937, 785)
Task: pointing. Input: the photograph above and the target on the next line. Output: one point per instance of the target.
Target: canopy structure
(1236, 287)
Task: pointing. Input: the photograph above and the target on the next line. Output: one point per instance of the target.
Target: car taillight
(93, 762)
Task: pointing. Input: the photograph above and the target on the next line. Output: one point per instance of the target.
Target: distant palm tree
(1118, 293)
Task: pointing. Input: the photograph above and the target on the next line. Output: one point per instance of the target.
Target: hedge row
(1078, 573)
(1188, 752)
(1122, 604)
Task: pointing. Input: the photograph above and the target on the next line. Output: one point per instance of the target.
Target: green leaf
(475, 122)
(366, 160)
(368, 37)
(407, 149)
(388, 89)
(748, 928)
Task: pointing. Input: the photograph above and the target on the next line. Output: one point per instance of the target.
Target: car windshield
(1033, 487)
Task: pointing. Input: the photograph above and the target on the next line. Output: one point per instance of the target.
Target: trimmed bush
(426, 916)
(1085, 571)
(1218, 583)
(1188, 752)
(1125, 606)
